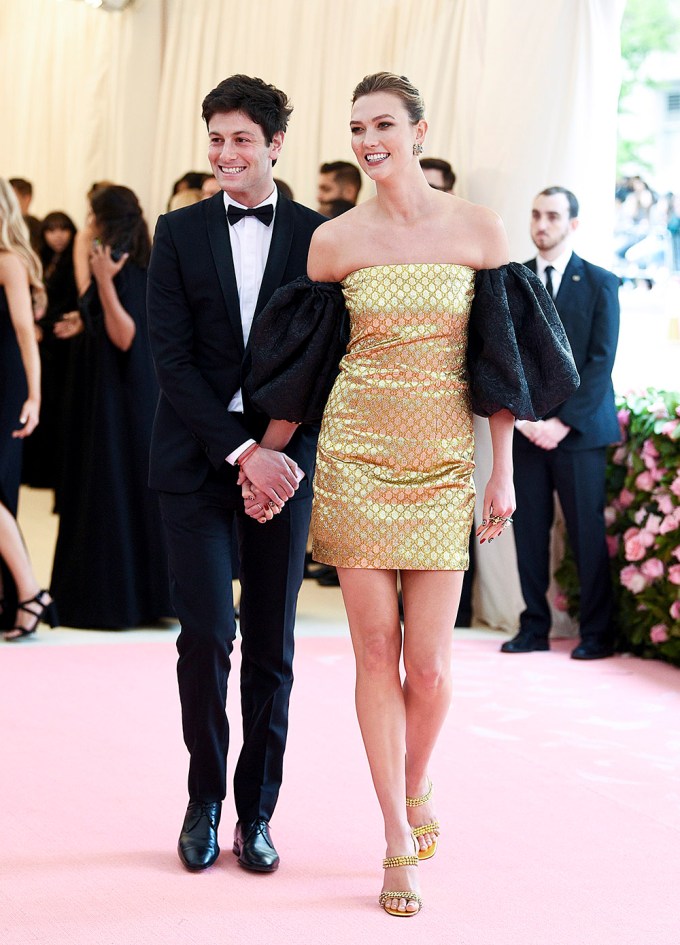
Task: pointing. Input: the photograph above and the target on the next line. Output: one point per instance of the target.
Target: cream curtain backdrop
(519, 95)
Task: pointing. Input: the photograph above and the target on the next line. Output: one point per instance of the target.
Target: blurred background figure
(192, 180)
(24, 193)
(110, 565)
(22, 604)
(43, 452)
(184, 198)
(209, 187)
(338, 180)
(82, 246)
(336, 207)
(439, 174)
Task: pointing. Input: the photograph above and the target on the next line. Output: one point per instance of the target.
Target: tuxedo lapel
(279, 250)
(568, 292)
(220, 244)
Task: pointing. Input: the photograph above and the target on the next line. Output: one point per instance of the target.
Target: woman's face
(58, 238)
(382, 134)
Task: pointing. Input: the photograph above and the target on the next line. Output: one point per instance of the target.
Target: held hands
(499, 504)
(102, 265)
(546, 434)
(28, 418)
(268, 478)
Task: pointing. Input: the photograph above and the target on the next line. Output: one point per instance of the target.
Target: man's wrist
(233, 457)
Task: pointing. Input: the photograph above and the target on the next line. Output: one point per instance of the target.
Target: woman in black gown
(22, 603)
(110, 565)
(43, 452)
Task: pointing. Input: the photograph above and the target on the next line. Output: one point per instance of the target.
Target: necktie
(264, 214)
(548, 281)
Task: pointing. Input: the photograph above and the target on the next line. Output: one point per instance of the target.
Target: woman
(22, 604)
(110, 568)
(43, 451)
(393, 490)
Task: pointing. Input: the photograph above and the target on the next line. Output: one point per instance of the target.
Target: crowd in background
(646, 232)
(88, 379)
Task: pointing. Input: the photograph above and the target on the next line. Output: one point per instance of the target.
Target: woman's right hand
(68, 326)
(28, 418)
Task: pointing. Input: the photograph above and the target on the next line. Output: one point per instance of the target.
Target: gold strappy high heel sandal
(425, 828)
(406, 894)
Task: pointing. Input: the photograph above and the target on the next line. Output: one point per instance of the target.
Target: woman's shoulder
(331, 243)
(483, 228)
(12, 267)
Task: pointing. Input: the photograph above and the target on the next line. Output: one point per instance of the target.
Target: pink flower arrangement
(645, 481)
(626, 498)
(653, 568)
(633, 579)
(658, 633)
(642, 518)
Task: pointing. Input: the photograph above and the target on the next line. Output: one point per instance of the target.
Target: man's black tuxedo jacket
(197, 340)
(588, 305)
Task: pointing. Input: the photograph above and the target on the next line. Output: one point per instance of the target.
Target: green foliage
(647, 26)
(643, 526)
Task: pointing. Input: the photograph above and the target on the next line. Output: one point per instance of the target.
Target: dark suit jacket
(588, 305)
(197, 340)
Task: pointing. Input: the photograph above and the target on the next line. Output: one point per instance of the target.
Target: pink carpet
(558, 786)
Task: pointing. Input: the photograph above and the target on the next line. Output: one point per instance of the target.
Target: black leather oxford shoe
(592, 650)
(526, 641)
(254, 848)
(197, 847)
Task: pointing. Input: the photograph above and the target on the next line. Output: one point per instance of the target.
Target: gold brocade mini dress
(393, 485)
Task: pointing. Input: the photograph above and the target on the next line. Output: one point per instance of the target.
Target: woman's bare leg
(430, 605)
(372, 610)
(15, 556)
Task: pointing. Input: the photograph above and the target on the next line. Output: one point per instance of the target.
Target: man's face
(328, 189)
(435, 179)
(24, 201)
(240, 157)
(551, 226)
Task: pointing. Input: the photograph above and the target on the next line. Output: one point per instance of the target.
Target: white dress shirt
(559, 265)
(250, 243)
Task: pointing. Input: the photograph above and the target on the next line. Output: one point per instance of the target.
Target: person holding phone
(110, 563)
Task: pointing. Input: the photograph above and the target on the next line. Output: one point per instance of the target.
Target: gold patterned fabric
(393, 485)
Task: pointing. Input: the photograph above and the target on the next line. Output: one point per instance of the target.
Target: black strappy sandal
(45, 611)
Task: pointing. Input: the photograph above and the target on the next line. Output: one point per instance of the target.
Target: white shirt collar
(559, 264)
(271, 199)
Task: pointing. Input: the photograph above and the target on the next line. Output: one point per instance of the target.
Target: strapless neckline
(436, 265)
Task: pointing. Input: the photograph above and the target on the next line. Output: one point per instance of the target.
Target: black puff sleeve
(518, 355)
(296, 344)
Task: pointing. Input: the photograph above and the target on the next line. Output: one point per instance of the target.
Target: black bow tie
(264, 214)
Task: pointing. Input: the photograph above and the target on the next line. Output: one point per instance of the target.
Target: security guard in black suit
(566, 452)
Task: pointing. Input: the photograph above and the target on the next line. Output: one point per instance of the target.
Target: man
(24, 191)
(338, 180)
(439, 174)
(214, 266)
(566, 452)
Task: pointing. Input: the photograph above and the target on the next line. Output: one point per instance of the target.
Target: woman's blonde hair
(14, 236)
(398, 85)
